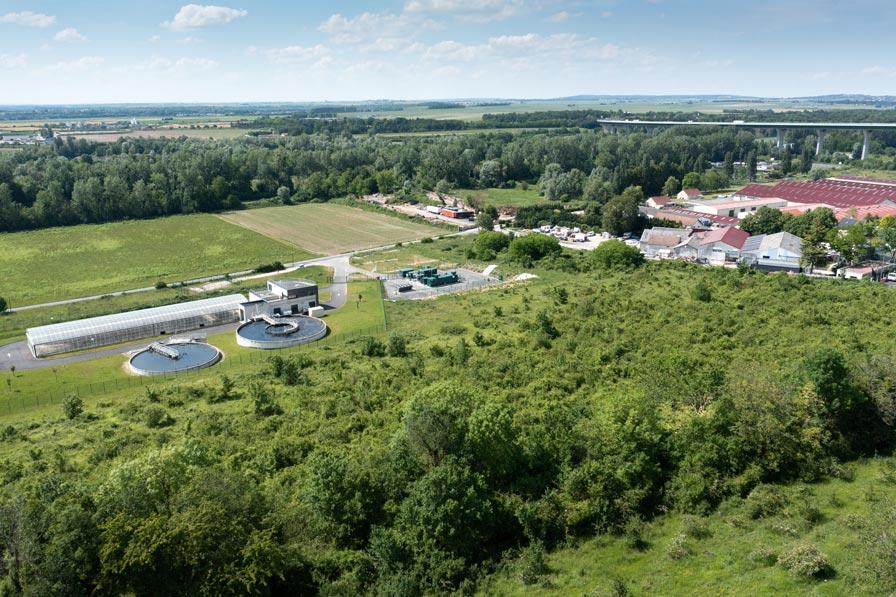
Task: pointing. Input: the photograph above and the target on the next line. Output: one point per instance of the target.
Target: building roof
(779, 240)
(70, 330)
(691, 192)
(836, 192)
(664, 237)
(696, 215)
(887, 208)
(734, 237)
(660, 199)
(293, 284)
(728, 203)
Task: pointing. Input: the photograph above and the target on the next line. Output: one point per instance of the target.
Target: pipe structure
(865, 140)
(780, 134)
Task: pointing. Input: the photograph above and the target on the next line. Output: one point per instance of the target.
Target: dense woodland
(508, 423)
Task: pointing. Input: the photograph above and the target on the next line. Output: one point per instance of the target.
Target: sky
(259, 50)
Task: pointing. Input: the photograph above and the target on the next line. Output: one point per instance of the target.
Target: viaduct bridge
(821, 128)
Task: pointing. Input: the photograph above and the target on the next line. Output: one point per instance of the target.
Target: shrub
(805, 561)
(615, 254)
(695, 527)
(267, 268)
(453, 329)
(487, 245)
(371, 347)
(764, 556)
(152, 395)
(532, 247)
(678, 547)
(532, 564)
(701, 292)
(764, 500)
(72, 406)
(160, 285)
(265, 405)
(156, 417)
(397, 346)
(633, 531)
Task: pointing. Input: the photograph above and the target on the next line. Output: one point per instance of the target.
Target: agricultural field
(517, 197)
(444, 254)
(60, 263)
(158, 133)
(330, 229)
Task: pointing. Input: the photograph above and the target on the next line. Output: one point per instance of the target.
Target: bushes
(487, 245)
(528, 249)
(805, 561)
(615, 254)
(267, 268)
(72, 406)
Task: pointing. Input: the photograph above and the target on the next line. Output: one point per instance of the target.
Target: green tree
(3, 305)
(884, 239)
(615, 254)
(532, 247)
(691, 180)
(72, 406)
(487, 245)
(621, 213)
(671, 186)
(765, 220)
(751, 165)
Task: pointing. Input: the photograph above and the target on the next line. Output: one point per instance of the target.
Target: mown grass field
(504, 197)
(170, 133)
(329, 229)
(59, 263)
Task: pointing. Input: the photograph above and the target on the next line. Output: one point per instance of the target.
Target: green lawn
(504, 197)
(59, 263)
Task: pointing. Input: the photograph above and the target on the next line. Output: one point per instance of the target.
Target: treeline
(413, 464)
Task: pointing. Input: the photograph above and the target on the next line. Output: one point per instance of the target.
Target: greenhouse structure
(111, 329)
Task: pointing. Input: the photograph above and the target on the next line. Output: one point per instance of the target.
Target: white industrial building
(736, 207)
(781, 251)
(281, 297)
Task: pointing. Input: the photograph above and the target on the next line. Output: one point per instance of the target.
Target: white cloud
(27, 18)
(517, 41)
(194, 16)
(316, 56)
(13, 61)
(69, 34)
(81, 64)
(878, 71)
(154, 39)
(179, 66)
(559, 17)
(477, 11)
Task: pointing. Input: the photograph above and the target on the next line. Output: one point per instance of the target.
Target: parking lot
(469, 280)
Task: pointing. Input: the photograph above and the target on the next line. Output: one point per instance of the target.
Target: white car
(891, 277)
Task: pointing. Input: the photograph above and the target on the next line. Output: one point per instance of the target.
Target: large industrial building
(282, 297)
(111, 329)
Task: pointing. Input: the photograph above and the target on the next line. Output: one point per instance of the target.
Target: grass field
(330, 229)
(504, 197)
(719, 562)
(58, 263)
(171, 133)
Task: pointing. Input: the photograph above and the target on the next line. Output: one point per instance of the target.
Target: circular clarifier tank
(280, 332)
(173, 357)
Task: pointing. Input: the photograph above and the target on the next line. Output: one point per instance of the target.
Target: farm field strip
(62, 263)
(329, 229)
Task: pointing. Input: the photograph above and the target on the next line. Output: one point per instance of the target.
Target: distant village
(710, 231)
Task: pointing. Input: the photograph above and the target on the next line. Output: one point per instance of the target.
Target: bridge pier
(866, 137)
(780, 134)
(819, 141)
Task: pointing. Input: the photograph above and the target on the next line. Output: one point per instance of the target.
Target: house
(658, 201)
(660, 242)
(457, 213)
(773, 252)
(721, 244)
(687, 195)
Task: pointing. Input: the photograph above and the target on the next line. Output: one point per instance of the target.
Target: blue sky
(154, 51)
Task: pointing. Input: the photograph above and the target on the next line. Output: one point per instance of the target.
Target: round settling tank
(173, 357)
(280, 332)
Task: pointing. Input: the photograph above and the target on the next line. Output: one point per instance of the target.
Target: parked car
(891, 277)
